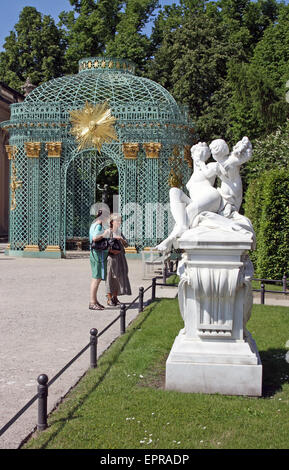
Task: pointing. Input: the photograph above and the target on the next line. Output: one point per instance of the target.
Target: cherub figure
(231, 187)
(202, 195)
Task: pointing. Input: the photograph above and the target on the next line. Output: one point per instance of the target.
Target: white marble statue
(206, 205)
(214, 352)
(202, 195)
(231, 186)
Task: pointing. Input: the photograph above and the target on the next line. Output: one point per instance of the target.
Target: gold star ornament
(92, 126)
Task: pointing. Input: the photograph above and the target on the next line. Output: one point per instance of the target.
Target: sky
(10, 12)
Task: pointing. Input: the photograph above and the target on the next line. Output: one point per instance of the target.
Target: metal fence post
(93, 348)
(154, 280)
(165, 274)
(262, 293)
(284, 279)
(122, 318)
(141, 294)
(42, 390)
(177, 264)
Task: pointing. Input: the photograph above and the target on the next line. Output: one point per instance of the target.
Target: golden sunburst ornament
(92, 126)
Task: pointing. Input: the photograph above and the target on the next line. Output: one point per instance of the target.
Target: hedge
(267, 206)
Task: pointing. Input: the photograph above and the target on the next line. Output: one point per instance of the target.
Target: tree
(257, 107)
(196, 44)
(270, 152)
(258, 104)
(129, 41)
(191, 63)
(107, 27)
(35, 49)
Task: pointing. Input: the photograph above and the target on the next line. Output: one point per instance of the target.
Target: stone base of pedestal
(208, 366)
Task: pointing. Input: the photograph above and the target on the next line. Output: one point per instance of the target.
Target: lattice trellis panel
(81, 182)
(19, 216)
(57, 193)
(46, 200)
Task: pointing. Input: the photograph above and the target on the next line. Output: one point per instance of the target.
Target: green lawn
(123, 404)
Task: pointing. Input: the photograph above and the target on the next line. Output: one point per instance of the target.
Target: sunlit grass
(123, 404)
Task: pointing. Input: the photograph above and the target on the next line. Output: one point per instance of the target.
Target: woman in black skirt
(117, 281)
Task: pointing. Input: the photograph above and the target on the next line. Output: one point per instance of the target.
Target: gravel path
(44, 323)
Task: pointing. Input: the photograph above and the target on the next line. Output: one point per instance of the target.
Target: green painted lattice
(57, 193)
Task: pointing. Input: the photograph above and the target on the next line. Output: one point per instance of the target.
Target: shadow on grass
(109, 364)
(275, 371)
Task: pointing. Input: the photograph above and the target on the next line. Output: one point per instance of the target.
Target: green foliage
(129, 42)
(269, 152)
(226, 60)
(258, 104)
(109, 176)
(266, 205)
(191, 64)
(35, 50)
(123, 404)
(109, 27)
(257, 107)
(89, 29)
(202, 49)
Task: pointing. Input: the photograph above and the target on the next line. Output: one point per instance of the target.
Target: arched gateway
(53, 183)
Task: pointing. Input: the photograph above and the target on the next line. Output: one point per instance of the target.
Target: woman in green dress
(98, 259)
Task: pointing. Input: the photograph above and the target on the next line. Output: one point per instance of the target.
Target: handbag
(114, 245)
(99, 245)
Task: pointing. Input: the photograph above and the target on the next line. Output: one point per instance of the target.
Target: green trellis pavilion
(53, 183)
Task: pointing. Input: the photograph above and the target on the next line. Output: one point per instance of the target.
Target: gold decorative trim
(152, 149)
(11, 151)
(53, 149)
(32, 149)
(130, 249)
(31, 248)
(93, 125)
(53, 248)
(187, 156)
(14, 185)
(130, 150)
(175, 179)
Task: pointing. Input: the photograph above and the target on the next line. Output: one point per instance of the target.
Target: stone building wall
(7, 97)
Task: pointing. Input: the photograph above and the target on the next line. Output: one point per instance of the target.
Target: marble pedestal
(214, 353)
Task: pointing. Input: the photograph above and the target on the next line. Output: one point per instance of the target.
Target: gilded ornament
(187, 156)
(11, 151)
(53, 149)
(32, 149)
(14, 185)
(152, 149)
(176, 151)
(130, 150)
(31, 248)
(53, 248)
(175, 179)
(92, 126)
